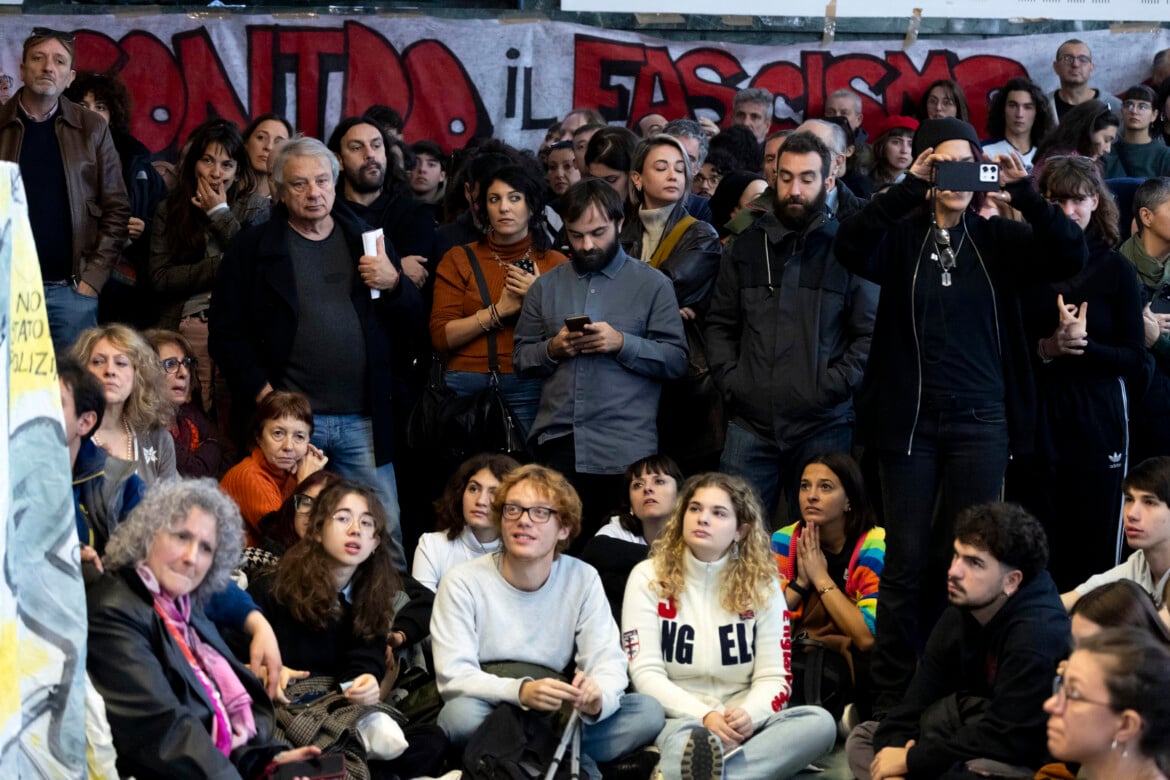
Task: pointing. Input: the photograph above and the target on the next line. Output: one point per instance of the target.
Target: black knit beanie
(933, 132)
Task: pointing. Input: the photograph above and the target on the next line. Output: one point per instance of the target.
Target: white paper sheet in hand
(370, 247)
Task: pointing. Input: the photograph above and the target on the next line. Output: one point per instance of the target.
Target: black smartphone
(577, 323)
(330, 766)
(967, 176)
(525, 264)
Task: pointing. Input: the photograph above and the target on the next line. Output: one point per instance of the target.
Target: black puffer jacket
(788, 330)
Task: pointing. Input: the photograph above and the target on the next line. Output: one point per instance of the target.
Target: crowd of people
(814, 449)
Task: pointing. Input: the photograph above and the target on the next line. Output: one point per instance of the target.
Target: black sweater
(882, 244)
(1116, 335)
(334, 650)
(1010, 661)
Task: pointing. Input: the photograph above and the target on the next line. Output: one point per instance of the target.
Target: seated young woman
(1109, 710)
(282, 456)
(1119, 605)
(706, 630)
(624, 542)
(178, 703)
(831, 566)
(463, 518)
(330, 601)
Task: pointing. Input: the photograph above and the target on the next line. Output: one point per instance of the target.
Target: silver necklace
(943, 254)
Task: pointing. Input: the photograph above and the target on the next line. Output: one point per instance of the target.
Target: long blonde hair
(147, 408)
(749, 578)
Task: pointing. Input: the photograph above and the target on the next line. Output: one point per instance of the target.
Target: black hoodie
(1010, 661)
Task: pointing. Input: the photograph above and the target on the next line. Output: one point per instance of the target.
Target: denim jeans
(348, 441)
(957, 459)
(784, 744)
(768, 468)
(636, 722)
(69, 313)
(521, 395)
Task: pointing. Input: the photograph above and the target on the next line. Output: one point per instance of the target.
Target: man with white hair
(300, 306)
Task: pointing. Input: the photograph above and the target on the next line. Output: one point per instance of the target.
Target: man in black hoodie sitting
(975, 701)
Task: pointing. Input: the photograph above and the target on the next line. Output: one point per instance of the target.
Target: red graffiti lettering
(782, 79)
(159, 111)
(907, 89)
(175, 92)
(365, 86)
(703, 93)
(98, 51)
(709, 78)
(980, 77)
(445, 108)
(598, 63)
(209, 90)
(658, 77)
(262, 69)
(854, 71)
(311, 50)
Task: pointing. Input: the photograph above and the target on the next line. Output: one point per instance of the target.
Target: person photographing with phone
(948, 389)
(601, 383)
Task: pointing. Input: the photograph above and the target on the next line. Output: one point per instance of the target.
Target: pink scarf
(233, 724)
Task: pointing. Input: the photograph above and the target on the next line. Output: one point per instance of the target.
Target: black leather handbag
(454, 428)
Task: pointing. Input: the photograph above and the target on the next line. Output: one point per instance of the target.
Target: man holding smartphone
(602, 375)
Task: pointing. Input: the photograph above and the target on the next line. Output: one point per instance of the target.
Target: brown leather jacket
(93, 177)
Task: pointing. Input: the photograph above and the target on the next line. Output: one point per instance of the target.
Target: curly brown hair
(304, 581)
(750, 579)
(449, 506)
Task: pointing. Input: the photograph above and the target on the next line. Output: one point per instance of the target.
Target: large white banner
(454, 80)
(1074, 10)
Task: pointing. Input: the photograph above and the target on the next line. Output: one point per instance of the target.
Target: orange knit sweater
(258, 488)
(457, 296)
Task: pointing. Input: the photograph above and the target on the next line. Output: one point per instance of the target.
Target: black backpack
(512, 744)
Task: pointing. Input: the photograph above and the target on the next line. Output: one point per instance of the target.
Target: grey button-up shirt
(609, 402)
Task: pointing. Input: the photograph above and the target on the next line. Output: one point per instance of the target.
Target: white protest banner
(457, 79)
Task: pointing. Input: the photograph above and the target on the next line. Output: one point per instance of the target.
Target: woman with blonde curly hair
(706, 631)
(134, 426)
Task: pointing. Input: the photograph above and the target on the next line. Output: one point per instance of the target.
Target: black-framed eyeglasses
(1074, 59)
(49, 32)
(539, 514)
(1063, 695)
(171, 365)
(302, 503)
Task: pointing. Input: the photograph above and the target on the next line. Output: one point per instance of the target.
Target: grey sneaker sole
(702, 757)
